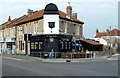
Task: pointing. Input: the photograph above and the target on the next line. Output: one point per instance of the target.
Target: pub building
(43, 44)
(46, 33)
(51, 31)
(51, 43)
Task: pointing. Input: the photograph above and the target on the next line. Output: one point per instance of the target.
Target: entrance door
(51, 45)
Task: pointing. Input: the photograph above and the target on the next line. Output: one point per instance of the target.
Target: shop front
(7, 45)
(50, 45)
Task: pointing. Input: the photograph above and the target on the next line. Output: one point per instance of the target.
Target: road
(12, 67)
(0, 66)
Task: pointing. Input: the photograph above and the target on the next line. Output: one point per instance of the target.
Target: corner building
(48, 24)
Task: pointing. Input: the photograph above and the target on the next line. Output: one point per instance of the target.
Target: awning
(91, 45)
(91, 42)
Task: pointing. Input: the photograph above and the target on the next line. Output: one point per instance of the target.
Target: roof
(13, 22)
(51, 9)
(36, 15)
(91, 42)
(114, 32)
(39, 14)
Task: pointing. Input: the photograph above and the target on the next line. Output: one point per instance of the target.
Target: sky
(95, 14)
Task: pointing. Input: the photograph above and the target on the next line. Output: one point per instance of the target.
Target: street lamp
(110, 53)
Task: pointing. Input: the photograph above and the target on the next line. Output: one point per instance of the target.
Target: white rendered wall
(51, 18)
(102, 41)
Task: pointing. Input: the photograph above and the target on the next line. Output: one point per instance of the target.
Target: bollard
(71, 55)
(55, 55)
(40, 55)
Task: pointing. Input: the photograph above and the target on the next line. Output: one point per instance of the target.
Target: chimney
(74, 15)
(107, 31)
(97, 31)
(30, 12)
(116, 32)
(69, 10)
(9, 19)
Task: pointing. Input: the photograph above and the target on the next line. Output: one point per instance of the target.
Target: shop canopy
(91, 45)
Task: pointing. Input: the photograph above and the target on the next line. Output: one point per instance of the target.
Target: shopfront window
(69, 44)
(66, 45)
(62, 45)
(40, 45)
(36, 45)
(32, 45)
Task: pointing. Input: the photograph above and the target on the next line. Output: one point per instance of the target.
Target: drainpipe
(16, 39)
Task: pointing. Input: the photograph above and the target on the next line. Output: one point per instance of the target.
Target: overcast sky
(94, 13)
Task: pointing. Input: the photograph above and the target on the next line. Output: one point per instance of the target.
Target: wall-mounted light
(51, 39)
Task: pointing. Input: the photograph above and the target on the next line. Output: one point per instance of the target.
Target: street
(0, 66)
(12, 67)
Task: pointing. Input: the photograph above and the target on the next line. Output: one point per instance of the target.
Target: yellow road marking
(15, 58)
(20, 59)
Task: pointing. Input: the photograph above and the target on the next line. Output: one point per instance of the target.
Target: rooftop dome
(51, 9)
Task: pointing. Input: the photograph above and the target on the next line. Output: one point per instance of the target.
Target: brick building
(36, 23)
(112, 33)
(110, 38)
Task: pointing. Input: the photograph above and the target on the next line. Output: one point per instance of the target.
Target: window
(51, 24)
(65, 45)
(40, 45)
(32, 45)
(62, 22)
(62, 45)
(69, 45)
(22, 46)
(19, 45)
(36, 45)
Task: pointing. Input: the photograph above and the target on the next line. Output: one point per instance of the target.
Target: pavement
(30, 58)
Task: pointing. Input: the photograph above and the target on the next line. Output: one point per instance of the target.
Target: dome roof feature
(51, 9)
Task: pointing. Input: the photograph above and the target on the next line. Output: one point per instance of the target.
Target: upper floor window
(62, 22)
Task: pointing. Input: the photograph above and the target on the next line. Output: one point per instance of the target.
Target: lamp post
(110, 52)
(110, 42)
